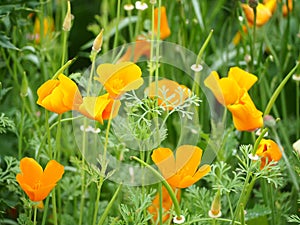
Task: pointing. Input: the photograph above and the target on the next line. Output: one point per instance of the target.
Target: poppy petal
(52, 173)
(164, 159)
(242, 77)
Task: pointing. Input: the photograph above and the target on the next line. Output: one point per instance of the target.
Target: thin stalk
(196, 83)
(298, 109)
(64, 47)
(261, 136)
(244, 190)
(164, 182)
(160, 210)
(254, 37)
(209, 219)
(242, 214)
(96, 207)
(117, 24)
(45, 211)
(279, 88)
(34, 214)
(20, 141)
(108, 207)
(54, 208)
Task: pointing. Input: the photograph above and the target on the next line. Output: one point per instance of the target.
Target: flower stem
(108, 207)
(54, 208)
(164, 182)
(34, 214)
(265, 130)
(279, 88)
(198, 62)
(298, 109)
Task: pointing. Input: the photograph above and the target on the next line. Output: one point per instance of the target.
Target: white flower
(141, 6)
(128, 7)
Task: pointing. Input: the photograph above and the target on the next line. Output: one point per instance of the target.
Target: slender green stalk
(96, 207)
(244, 190)
(34, 214)
(160, 210)
(117, 24)
(108, 207)
(45, 211)
(242, 214)
(254, 37)
(20, 141)
(64, 47)
(298, 109)
(261, 136)
(54, 208)
(279, 88)
(65, 66)
(209, 219)
(164, 182)
(196, 83)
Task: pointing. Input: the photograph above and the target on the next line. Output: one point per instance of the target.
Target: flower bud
(24, 86)
(98, 42)
(68, 19)
(253, 3)
(215, 210)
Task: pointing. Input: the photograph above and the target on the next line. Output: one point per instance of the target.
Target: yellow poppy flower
(48, 28)
(169, 94)
(37, 183)
(166, 204)
(164, 26)
(60, 95)
(99, 108)
(269, 151)
(285, 9)
(263, 14)
(182, 171)
(228, 90)
(140, 48)
(245, 115)
(232, 92)
(119, 78)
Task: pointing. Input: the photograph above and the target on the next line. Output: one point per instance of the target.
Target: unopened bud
(68, 19)
(24, 86)
(253, 3)
(215, 210)
(98, 42)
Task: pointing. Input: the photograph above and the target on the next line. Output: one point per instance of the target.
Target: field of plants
(149, 112)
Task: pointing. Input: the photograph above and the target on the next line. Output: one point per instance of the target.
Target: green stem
(298, 109)
(54, 208)
(45, 211)
(279, 88)
(64, 47)
(108, 207)
(160, 210)
(65, 66)
(198, 62)
(209, 219)
(117, 24)
(99, 187)
(244, 190)
(260, 137)
(20, 141)
(242, 214)
(164, 182)
(35, 214)
(254, 37)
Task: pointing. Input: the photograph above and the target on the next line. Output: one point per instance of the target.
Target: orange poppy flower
(170, 94)
(140, 48)
(263, 13)
(269, 151)
(119, 78)
(48, 28)
(285, 9)
(37, 183)
(245, 115)
(99, 108)
(164, 26)
(166, 204)
(60, 95)
(227, 90)
(232, 92)
(182, 171)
